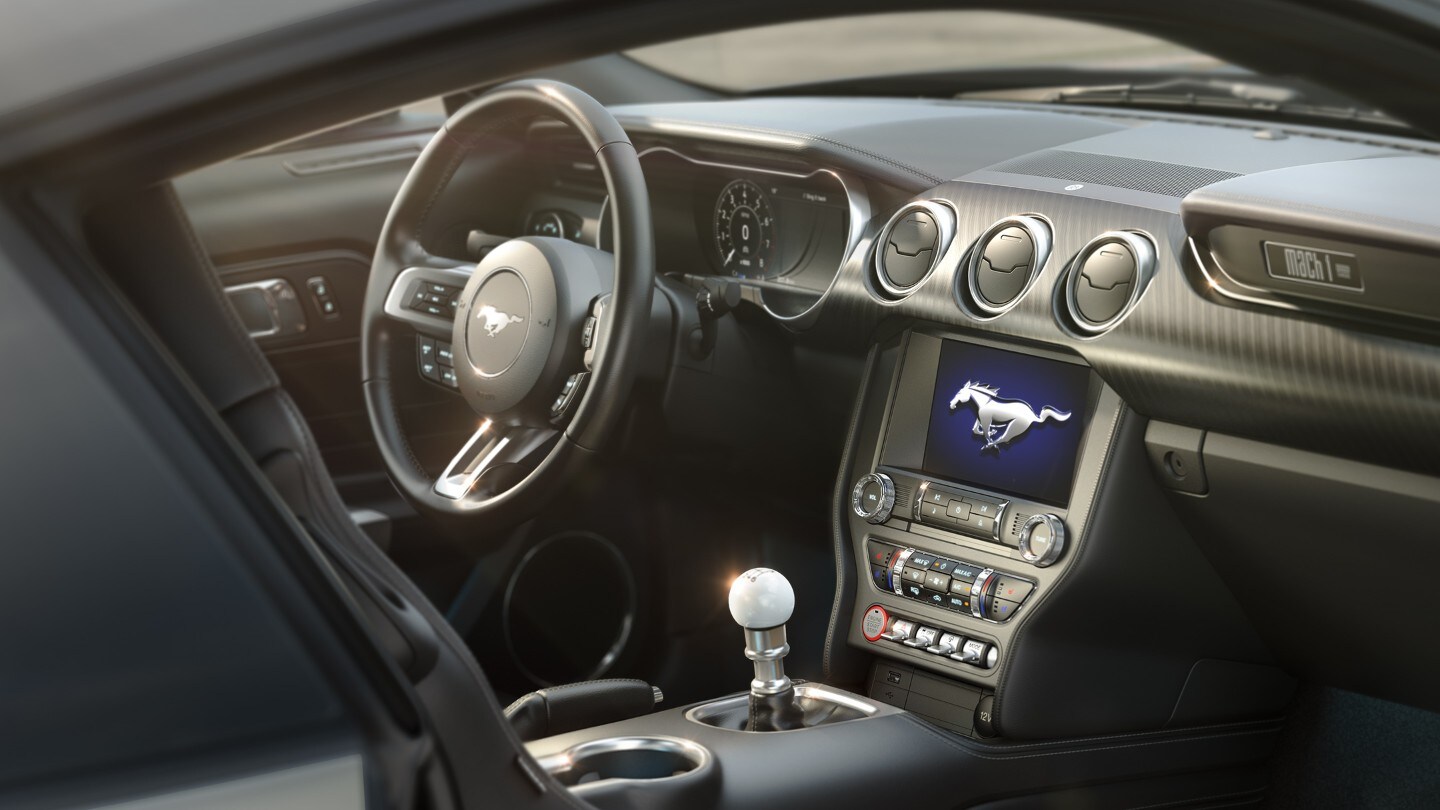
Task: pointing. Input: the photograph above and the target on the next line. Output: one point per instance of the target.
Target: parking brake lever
(761, 601)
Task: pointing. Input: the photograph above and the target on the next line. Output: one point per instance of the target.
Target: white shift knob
(761, 598)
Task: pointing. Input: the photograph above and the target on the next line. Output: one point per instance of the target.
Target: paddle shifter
(761, 600)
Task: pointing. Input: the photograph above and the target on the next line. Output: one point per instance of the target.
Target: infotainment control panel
(980, 469)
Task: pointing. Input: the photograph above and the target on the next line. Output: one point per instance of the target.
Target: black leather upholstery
(146, 244)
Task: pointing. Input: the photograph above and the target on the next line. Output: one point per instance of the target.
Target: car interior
(974, 408)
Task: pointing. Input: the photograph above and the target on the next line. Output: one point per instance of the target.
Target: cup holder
(626, 758)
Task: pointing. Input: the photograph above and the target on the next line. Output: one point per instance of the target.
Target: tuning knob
(1042, 540)
(874, 497)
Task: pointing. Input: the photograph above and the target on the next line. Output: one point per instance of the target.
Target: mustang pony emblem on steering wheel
(495, 320)
(1015, 416)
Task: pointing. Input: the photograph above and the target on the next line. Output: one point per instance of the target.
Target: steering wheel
(546, 334)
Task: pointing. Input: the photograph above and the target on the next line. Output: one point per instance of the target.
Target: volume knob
(1042, 540)
(874, 497)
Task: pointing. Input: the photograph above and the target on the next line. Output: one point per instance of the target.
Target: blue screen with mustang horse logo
(1006, 421)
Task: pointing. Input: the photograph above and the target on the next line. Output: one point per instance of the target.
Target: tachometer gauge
(745, 231)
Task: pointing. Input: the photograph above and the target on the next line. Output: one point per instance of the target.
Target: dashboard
(1208, 353)
(1071, 317)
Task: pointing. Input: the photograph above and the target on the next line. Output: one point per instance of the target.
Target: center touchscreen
(1006, 421)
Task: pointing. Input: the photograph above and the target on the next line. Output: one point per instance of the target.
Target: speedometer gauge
(745, 231)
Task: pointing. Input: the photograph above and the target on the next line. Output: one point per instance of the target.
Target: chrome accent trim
(1057, 540)
(1266, 297)
(565, 761)
(897, 568)
(456, 485)
(857, 210)
(977, 592)
(659, 695)
(1142, 246)
(432, 325)
(887, 497)
(1041, 233)
(767, 649)
(946, 217)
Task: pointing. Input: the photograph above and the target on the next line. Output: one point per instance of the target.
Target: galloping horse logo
(1012, 417)
(495, 320)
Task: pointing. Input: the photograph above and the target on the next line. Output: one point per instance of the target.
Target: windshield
(818, 51)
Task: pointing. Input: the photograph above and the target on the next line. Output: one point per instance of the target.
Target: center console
(969, 497)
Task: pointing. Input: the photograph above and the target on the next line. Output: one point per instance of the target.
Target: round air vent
(1106, 279)
(1005, 262)
(911, 244)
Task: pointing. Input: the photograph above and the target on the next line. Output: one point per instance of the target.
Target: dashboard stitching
(815, 139)
(1089, 500)
(965, 749)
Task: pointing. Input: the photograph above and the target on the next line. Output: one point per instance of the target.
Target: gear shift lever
(761, 601)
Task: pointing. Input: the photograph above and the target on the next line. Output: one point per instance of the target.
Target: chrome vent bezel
(945, 216)
(1042, 234)
(1142, 247)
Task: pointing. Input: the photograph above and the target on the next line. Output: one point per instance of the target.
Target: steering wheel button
(447, 376)
(445, 354)
(430, 370)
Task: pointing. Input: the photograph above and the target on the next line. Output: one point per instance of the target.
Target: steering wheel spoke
(427, 297)
(490, 453)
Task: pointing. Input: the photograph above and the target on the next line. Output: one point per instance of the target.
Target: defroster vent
(1156, 177)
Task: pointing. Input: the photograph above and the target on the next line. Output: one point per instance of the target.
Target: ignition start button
(874, 623)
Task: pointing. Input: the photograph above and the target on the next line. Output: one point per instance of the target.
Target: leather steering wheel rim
(626, 315)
